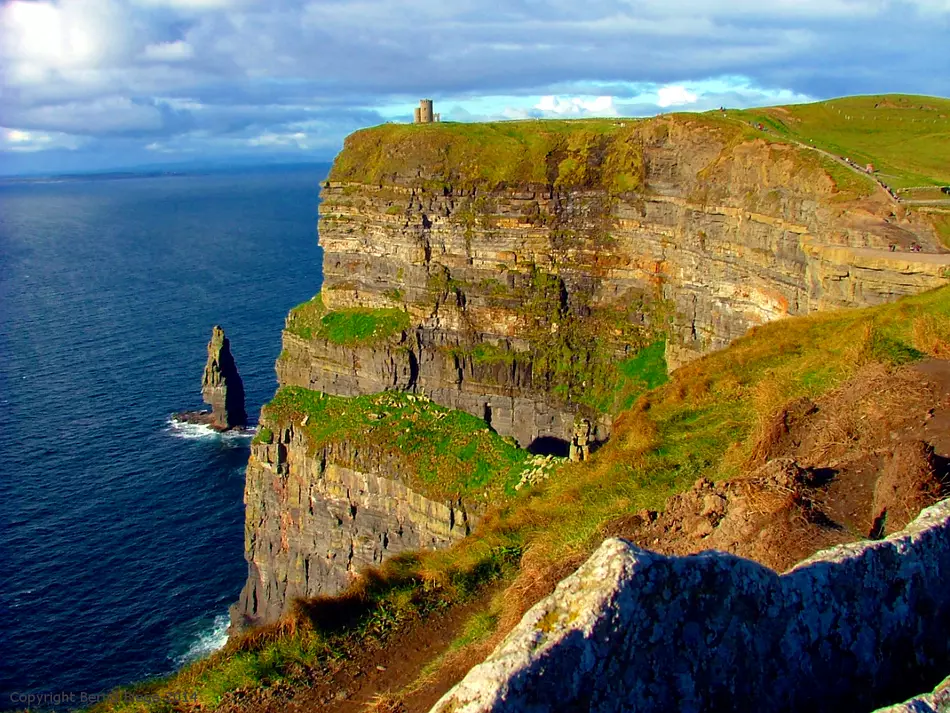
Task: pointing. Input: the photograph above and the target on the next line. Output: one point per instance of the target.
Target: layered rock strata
(221, 385)
(635, 631)
(708, 236)
(221, 388)
(315, 519)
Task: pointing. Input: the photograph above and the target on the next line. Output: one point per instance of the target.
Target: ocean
(122, 534)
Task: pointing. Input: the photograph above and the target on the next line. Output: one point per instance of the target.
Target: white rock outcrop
(850, 629)
(936, 702)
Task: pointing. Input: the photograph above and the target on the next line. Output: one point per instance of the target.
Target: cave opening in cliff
(549, 446)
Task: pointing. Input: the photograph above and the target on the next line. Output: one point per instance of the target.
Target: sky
(105, 84)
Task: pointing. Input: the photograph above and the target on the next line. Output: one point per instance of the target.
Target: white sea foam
(200, 431)
(207, 641)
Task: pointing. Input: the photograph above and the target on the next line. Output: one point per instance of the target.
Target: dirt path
(368, 681)
(904, 256)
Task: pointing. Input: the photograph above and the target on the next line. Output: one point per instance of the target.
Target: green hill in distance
(907, 138)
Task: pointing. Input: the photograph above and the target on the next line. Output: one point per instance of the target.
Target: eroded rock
(936, 702)
(315, 520)
(631, 630)
(221, 385)
(221, 388)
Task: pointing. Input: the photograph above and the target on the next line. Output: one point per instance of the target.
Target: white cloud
(931, 6)
(73, 34)
(297, 139)
(169, 51)
(191, 4)
(28, 141)
(675, 95)
(576, 106)
(108, 115)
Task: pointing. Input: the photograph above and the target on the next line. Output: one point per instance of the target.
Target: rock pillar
(221, 385)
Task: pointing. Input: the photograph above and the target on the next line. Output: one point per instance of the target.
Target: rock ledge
(632, 630)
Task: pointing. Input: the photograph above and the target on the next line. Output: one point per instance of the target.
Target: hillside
(906, 138)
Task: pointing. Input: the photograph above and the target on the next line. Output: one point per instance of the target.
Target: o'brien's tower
(423, 113)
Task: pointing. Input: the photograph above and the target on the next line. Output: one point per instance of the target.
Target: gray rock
(315, 518)
(221, 388)
(221, 385)
(632, 630)
(936, 702)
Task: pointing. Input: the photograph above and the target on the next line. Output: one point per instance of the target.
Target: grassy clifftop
(443, 453)
(563, 153)
(907, 138)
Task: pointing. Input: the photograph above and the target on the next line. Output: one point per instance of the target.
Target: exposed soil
(860, 462)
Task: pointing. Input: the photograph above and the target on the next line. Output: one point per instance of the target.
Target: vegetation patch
(445, 453)
(350, 327)
(571, 154)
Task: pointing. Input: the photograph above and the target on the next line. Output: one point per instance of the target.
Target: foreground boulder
(850, 629)
(221, 388)
(936, 702)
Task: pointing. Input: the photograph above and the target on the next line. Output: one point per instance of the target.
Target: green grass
(577, 153)
(643, 372)
(907, 138)
(445, 453)
(478, 627)
(349, 327)
(703, 422)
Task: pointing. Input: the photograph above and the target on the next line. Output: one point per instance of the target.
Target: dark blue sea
(122, 537)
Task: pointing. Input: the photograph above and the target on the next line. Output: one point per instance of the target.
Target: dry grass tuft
(932, 335)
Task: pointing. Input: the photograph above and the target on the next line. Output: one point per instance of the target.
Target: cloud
(17, 140)
(169, 51)
(576, 106)
(675, 95)
(248, 75)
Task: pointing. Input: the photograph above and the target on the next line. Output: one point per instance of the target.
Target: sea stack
(221, 385)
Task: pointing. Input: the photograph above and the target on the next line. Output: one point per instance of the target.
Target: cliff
(530, 261)
(335, 485)
(536, 275)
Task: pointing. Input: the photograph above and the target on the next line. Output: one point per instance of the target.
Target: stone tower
(422, 114)
(425, 111)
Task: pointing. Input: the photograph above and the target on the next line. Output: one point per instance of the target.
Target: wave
(200, 431)
(207, 642)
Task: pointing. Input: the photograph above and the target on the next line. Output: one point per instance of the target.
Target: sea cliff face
(706, 235)
(516, 272)
(316, 518)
